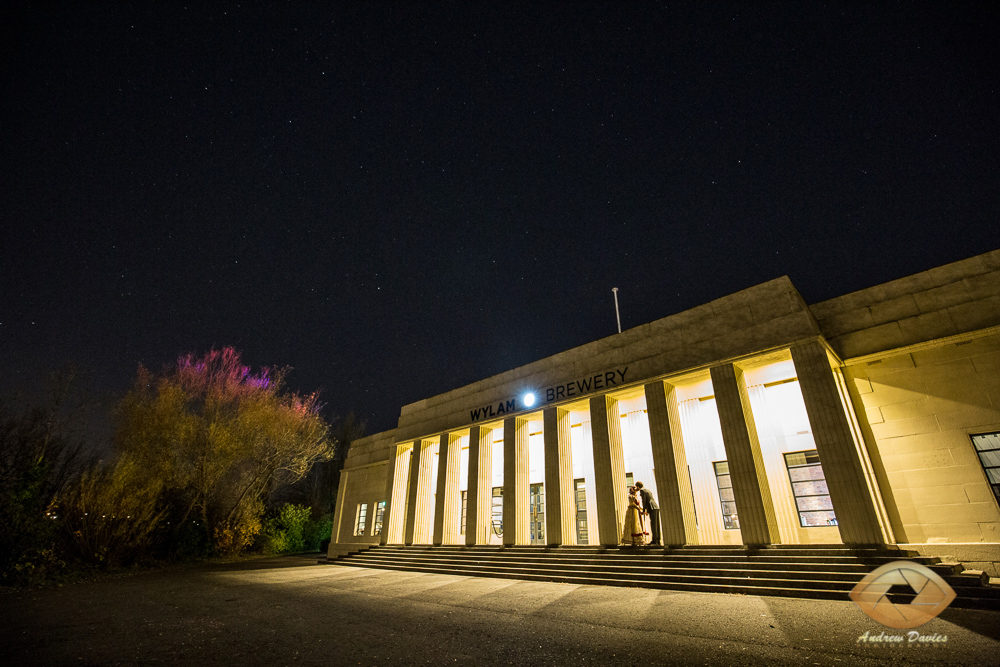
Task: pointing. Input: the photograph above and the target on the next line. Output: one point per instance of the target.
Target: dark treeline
(207, 459)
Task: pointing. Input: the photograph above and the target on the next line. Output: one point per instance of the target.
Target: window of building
(360, 519)
(465, 510)
(496, 514)
(379, 515)
(730, 519)
(812, 497)
(580, 491)
(988, 448)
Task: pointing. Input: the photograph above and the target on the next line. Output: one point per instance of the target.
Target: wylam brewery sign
(557, 392)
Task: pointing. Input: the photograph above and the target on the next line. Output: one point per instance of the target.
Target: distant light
(528, 399)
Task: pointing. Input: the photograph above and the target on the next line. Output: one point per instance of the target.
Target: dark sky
(397, 200)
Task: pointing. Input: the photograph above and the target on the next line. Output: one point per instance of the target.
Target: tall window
(730, 520)
(379, 514)
(497, 510)
(580, 493)
(536, 513)
(988, 447)
(360, 519)
(812, 497)
(465, 510)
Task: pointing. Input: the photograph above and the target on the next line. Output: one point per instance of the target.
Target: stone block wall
(920, 405)
(362, 480)
(363, 485)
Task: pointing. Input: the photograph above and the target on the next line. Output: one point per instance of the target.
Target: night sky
(397, 200)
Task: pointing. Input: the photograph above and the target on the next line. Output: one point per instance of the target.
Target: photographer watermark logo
(933, 594)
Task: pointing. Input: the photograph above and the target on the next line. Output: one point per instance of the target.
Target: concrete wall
(955, 298)
(370, 449)
(363, 480)
(920, 406)
(921, 360)
(365, 485)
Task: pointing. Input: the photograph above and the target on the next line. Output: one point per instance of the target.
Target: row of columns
(854, 498)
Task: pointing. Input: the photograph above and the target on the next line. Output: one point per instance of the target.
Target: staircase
(803, 571)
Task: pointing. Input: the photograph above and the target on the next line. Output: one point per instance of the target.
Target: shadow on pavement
(268, 563)
(984, 624)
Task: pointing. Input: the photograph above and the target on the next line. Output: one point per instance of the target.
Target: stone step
(736, 571)
(721, 552)
(728, 552)
(861, 565)
(858, 569)
(707, 586)
(742, 587)
(832, 572)
(848, 580)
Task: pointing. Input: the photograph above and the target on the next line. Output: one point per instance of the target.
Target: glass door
(536, 512)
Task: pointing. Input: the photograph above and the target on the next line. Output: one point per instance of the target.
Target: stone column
(560, 519)
(448, 501)
(421, 468)
(609, 468)
(839, 451)
(515, 482)
(338, 515)
(758, 525)
(478, 503)
(396, 485)
(673, 483)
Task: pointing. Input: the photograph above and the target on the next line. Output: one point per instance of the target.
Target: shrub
(38, 451)
(27, 530)
(286, 531)
(187, 540)
(110, 513)
(234, 535)
(317, 531)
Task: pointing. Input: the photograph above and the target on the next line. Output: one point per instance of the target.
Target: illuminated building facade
(869, 419)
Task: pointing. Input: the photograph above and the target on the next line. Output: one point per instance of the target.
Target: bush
(38, 451)
(317, 532)
(186, 541)
(110, 513)
(28, 528)
(286, 531)
(233, 539)
(234, 535)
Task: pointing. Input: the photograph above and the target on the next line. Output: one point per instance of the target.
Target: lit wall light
(528, 399)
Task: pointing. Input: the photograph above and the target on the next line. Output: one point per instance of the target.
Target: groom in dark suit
(649, 504)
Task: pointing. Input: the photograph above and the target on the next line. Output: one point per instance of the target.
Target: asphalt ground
(293, 611)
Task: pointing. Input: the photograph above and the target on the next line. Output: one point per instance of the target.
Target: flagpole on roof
(617, 315)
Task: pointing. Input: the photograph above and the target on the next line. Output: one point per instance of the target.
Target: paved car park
(291, 610)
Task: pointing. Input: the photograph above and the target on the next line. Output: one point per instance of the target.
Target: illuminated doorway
(536, 513)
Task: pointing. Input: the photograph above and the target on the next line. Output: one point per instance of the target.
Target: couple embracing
(641, 504)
